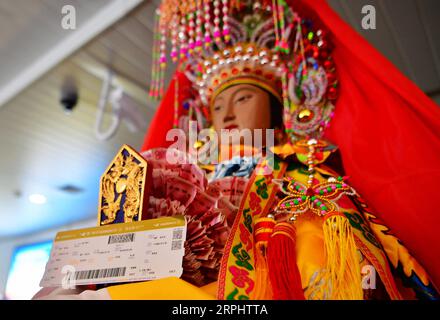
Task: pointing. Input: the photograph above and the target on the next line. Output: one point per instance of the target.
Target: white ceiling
(43, 149)
(29, 28)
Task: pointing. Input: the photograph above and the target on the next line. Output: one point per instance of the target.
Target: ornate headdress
(265, 43)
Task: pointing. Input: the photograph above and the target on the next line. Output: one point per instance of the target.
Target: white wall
(7, 246)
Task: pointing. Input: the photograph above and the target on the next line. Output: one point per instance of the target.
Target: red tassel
(283, 270)
(263, 229)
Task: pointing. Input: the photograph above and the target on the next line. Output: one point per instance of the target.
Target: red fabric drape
(388, 132)
(164, 116)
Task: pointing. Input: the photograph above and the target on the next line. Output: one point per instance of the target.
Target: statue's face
(240, 107)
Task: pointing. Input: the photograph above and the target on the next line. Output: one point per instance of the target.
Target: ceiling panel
(116, 62)
(35, 25)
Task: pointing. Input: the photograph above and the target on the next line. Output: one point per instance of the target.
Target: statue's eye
(217, 108)
(243, 98)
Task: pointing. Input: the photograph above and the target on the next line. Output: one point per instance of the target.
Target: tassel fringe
(283, 270)
(341, 279)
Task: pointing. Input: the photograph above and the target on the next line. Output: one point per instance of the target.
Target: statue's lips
(231, 127)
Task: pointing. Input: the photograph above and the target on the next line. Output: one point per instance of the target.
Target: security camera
(69, 95)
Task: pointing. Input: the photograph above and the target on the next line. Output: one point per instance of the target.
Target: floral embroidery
(247, 219)
(357, 222)
(240, 278)
(231, 296)
(262, 188)
(254, 203)
(242, 257)
(245, 237)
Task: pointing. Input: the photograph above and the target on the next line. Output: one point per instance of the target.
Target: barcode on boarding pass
(100, 273)
(176, 245)
(177, 234)
(121, 238)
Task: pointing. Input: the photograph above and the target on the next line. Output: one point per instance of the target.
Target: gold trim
(246, 80)
(120, 228)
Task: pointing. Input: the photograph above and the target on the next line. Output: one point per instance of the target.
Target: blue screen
(27, 268)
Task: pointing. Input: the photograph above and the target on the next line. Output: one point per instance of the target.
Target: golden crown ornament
(266, 43)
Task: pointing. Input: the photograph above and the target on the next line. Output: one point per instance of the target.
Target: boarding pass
(125, 252)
